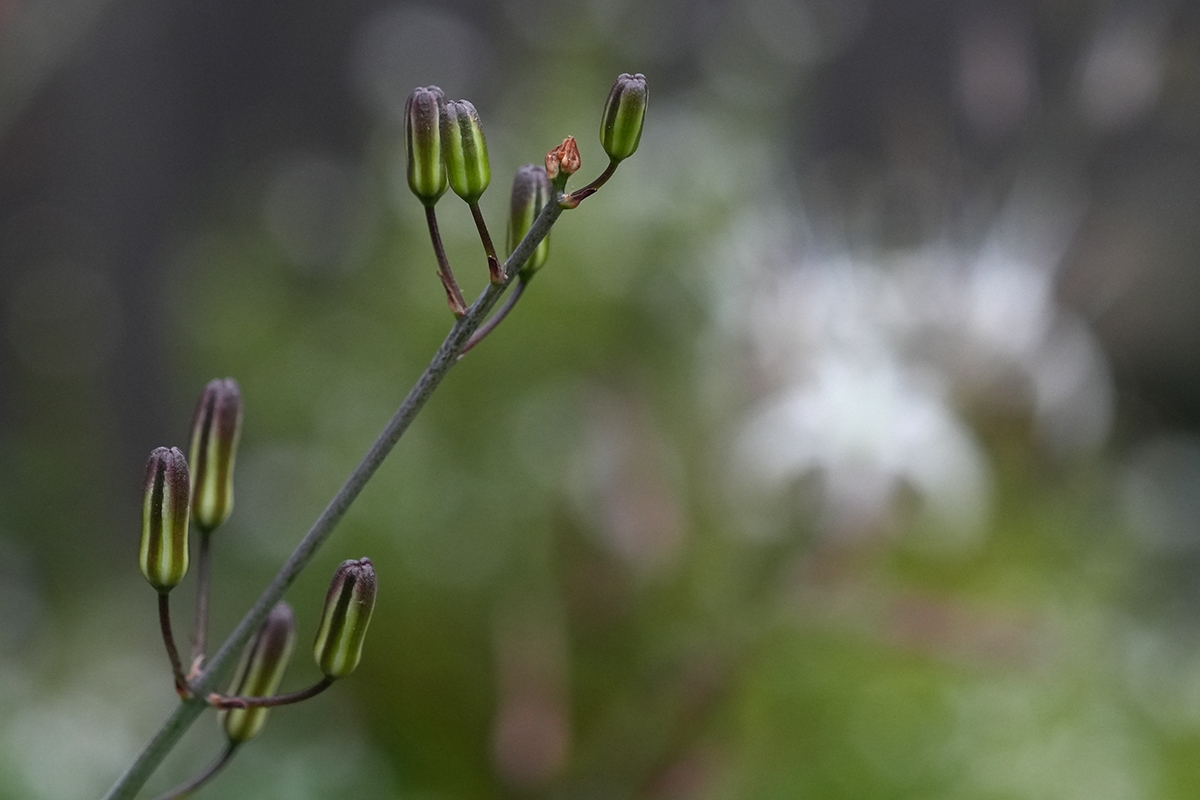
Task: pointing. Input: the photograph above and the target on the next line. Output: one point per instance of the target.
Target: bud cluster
(174, 496)
(446, 148)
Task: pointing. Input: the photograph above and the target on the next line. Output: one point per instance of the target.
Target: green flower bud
(348, 607)
(163, 555)
(216, 428)
(259, 673)
(464, 150)
(422, 140)
(621, 125)
(530, 193)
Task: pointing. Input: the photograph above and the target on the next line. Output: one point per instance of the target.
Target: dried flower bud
(531, 193)
(259, 673)
(422, 141)
(564, 159)
(163, 555)
(348, 607)
(464, 150)
(624, 111)
(216, 428)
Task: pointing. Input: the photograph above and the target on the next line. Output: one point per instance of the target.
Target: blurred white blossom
(871, 373)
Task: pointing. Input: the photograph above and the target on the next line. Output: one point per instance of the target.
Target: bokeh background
(845, 448)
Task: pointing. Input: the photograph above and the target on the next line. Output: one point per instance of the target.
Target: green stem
(182, 717)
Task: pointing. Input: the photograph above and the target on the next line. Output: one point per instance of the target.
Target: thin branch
(454, 297)
(204, 777)
(496, 318)
(173, 728)
(583, 193)
(203, 565)
(164, 622)
(225, 701)
(488, 248)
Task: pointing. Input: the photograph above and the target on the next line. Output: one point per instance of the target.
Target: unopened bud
(348, 607)
(531, 193)
(422, 141)
(259, 673)
(163, 555)
(216, 428)
(464, 150)
(564, 159)
(624, 111)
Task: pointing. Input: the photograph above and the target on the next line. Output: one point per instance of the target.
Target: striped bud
(530, 193)
(422, 140)
(348, 607)
(259, 673)
(163, 555)
(464, 150)
(216, 428)
(621, 125)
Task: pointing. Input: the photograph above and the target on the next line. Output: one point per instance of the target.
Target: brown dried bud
(564, 159)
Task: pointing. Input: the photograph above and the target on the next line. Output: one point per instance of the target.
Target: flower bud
(259, 673)
(621, 125)
(531, 192)
(422, 141)
(464, 150)
(348, 607)
(216, 428)
(163, 555)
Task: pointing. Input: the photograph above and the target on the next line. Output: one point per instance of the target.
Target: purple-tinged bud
(464, 150)
(348, 607)
(624, 111)
(531, 192)
(216, 429)
(163, 555)
(259, 672)
(422, 140)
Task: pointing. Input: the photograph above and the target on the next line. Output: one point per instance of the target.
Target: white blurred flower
(858, 368)
(869, 428)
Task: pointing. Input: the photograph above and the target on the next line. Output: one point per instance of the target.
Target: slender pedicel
(204, 777)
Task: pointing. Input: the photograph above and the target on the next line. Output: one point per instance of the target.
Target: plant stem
(488, 248)
(581, 194)
(225, 701)
(454, 297)
(496, 319)
(182, 717)
(203, 563)
(164, 622)
(204, 777)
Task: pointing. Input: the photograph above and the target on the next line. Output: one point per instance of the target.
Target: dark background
(585, 590)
